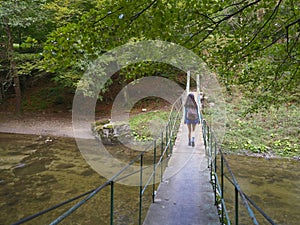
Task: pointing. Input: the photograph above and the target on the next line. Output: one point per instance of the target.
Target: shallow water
(37, 172)
(273, 184)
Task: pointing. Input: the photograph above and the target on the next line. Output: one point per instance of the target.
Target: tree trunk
(1, 90)
(13, 66)
(16, 85)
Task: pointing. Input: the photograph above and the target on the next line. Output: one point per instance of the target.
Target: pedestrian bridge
(186, 183)
(185, 195)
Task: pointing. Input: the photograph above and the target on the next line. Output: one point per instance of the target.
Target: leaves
(22, 13)
(254, 44)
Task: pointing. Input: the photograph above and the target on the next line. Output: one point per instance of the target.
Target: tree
(65, 11)
(258, 48)
(15, 15)
(253, 43)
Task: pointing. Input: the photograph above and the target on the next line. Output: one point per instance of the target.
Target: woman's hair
(190, 101)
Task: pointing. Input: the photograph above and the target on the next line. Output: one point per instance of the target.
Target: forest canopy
(252, 44)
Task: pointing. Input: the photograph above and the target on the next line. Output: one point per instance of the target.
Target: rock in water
(112, 133)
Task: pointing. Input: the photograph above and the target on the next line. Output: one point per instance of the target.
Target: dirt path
(39, 124)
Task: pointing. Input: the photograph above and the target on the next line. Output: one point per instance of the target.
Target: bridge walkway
(185, 195)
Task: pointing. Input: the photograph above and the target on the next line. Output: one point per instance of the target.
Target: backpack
(192, 113)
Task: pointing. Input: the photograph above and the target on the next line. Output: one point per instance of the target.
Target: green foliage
(254, 44)
(27, 19)
(29, 43)
(245, 42)
(45, 98)
(64, 11)
(27, 63)
(257, 55)
(21, 13)
(142, 69)
(275, 130)
(147, 126)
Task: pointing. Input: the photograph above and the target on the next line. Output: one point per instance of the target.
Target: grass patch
(148, 125)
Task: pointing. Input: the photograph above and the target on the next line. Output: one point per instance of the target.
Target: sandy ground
(39, 124)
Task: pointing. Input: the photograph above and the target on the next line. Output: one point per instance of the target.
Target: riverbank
(59, 125)
(268, 133)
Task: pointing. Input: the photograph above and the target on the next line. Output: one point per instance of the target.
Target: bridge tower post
(188, 78)
(198, 83)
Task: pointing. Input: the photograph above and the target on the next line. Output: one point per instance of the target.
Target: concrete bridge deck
(185, 196)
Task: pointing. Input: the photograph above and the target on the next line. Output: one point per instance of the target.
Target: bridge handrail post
(154, 170)
(161, 152)
(222, 176)
(112, 203)
(167, 138)
(236, 206)
(171, 141)
(141, 189)
(215, 151)
(222, 184)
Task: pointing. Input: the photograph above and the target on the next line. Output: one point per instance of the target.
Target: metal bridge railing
(221, 172)
(161, 149)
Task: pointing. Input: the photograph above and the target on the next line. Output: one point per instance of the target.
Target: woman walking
(191, 117)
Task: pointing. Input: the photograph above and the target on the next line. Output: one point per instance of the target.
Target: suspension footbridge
(186, 183)
(185, 195)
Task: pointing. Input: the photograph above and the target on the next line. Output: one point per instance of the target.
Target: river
(37, 172)
(273, 184)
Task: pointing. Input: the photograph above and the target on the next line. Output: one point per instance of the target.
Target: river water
(273, 184)
(37, 172)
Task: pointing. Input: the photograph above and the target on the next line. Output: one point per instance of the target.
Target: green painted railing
(161, 149)
(221, 172)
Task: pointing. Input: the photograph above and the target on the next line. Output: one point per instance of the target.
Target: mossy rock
(112, 133)
(101, 122)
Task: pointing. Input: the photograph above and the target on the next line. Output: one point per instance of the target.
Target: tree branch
(216, 24)
(141, 12)
(297, 39)
(238, 11)
(262, 27)
(108, 14)
(287, 32)
(267, 46)
(207, 17)
(229, 6)
(206, 36)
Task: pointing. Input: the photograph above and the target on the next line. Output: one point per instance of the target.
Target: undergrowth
(148, 125)
(274, 131)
